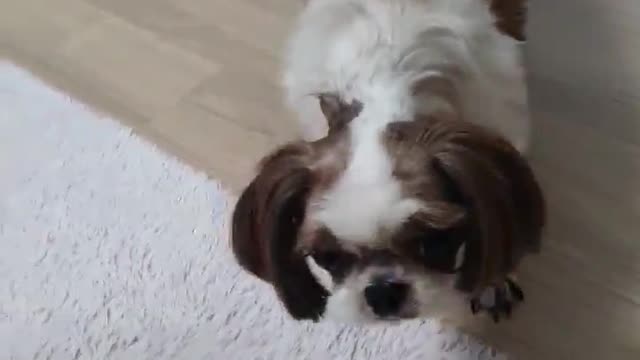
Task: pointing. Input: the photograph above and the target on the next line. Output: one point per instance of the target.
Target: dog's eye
(327, 259)
(335, 262)
(437, 250)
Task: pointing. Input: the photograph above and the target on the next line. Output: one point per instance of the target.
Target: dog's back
(375, 50)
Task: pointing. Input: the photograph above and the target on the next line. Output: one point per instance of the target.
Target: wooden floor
(199, 78)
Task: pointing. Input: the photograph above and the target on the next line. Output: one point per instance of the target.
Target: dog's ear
(337, 112)
(266, 224)
(246, 241)
(497, 187)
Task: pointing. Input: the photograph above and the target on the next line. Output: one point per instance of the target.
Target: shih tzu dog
(410, 195)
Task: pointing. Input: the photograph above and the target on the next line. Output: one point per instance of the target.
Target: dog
(410, 195)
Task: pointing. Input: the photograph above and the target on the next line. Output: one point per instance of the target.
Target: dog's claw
(475, 306)
(515, 290)
(504, 298)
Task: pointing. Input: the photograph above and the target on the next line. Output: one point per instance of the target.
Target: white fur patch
(322, 276)
(374, 50)
(347, 306)
(367, 199)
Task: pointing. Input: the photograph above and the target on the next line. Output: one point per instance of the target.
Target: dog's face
(386, 225)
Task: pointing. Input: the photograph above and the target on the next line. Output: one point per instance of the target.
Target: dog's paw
(498, 300)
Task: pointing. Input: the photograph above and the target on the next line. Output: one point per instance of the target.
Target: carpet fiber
(110, 249)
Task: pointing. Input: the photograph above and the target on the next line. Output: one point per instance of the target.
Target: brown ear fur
(506, 206)
(511, 16)
(337, 112)
(265, 228)
(247, 245)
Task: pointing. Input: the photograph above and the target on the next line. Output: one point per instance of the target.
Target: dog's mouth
(395, 318)
(406, 314)
(408, 311)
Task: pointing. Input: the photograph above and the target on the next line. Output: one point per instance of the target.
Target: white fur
(432, 296)
(375, 51)
(322, 276)
(366, 199)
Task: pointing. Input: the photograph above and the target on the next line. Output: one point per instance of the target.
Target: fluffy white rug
(110, 249)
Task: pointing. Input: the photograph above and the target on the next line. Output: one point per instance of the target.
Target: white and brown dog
(411, 194)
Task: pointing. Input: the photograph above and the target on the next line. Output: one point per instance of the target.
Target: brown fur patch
(456, 167)
(338, 112)
(269, 215)
(511, 17)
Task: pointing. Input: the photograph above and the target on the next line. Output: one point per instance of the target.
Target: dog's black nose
(386, 297)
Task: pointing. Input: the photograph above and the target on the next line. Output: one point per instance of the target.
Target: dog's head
(382, 225)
